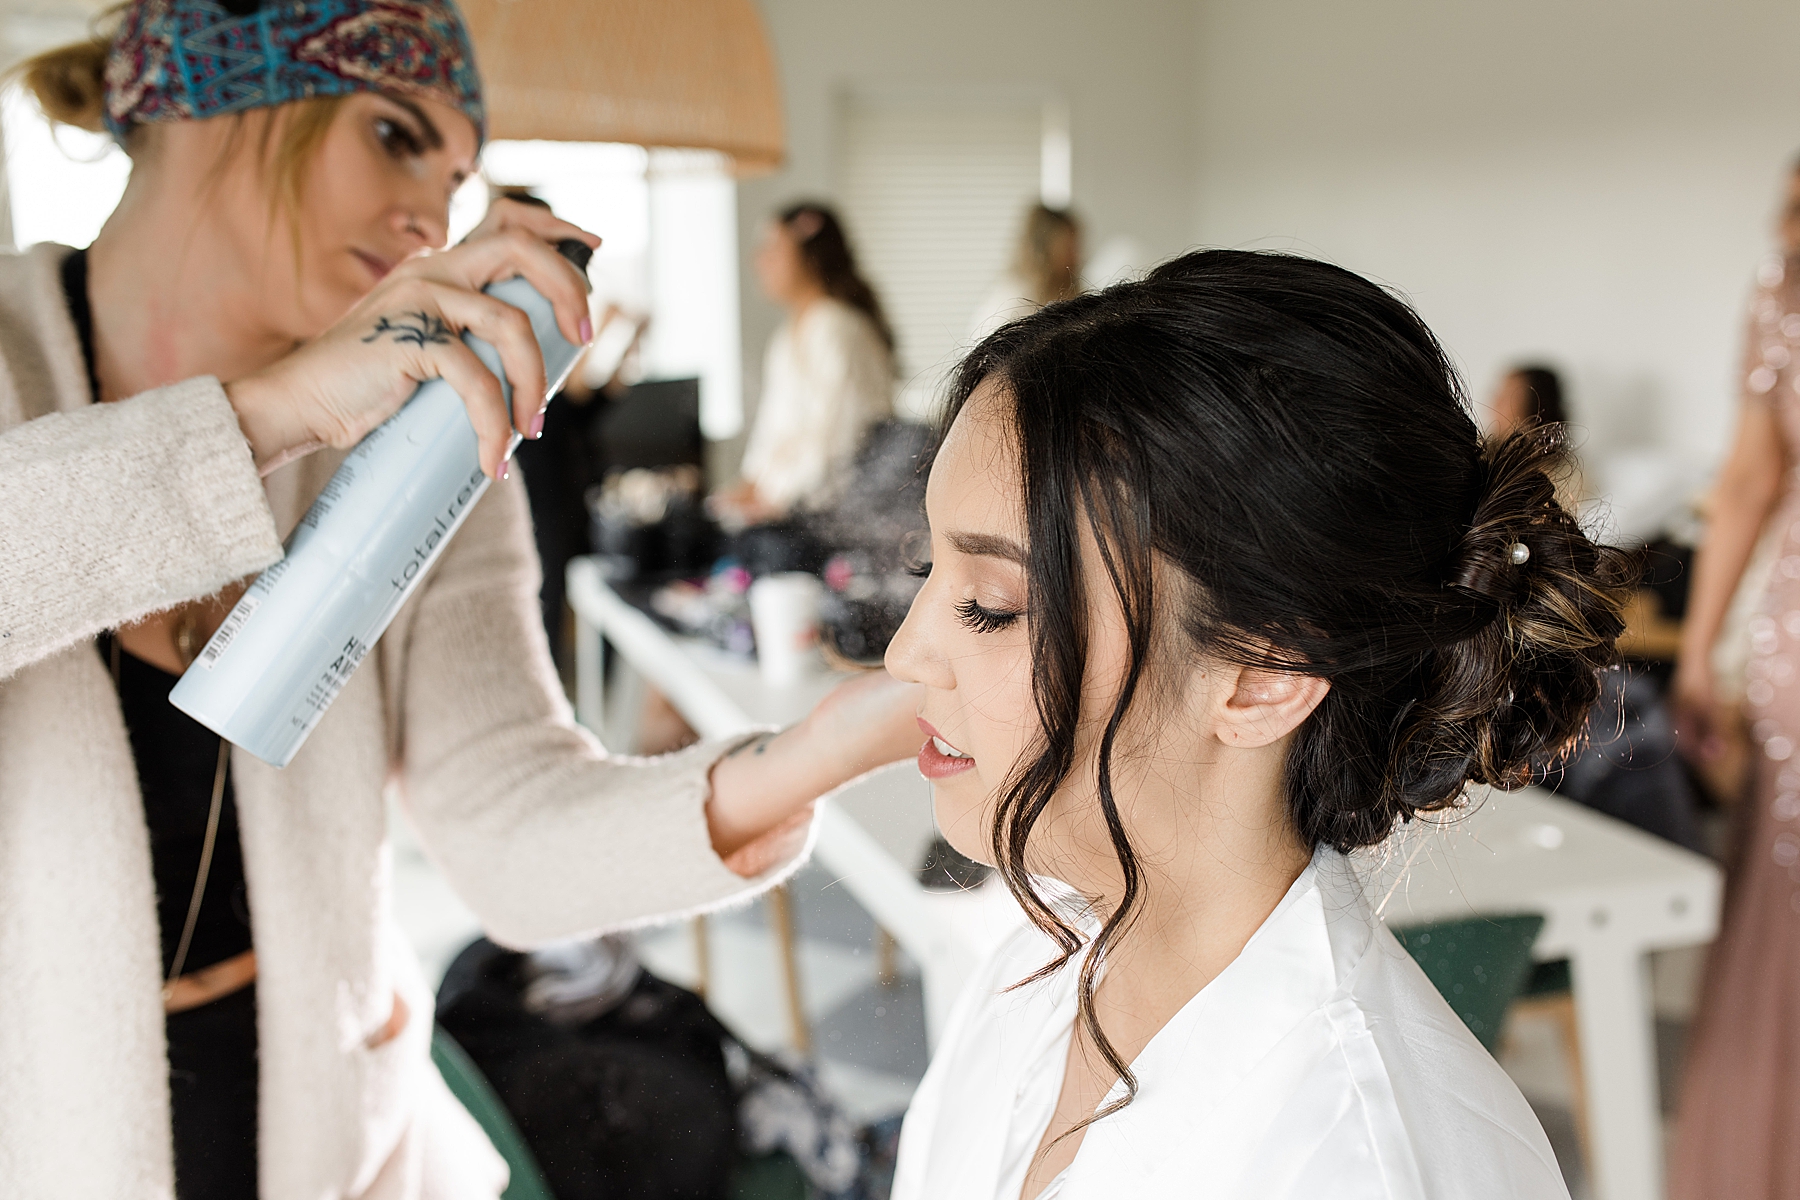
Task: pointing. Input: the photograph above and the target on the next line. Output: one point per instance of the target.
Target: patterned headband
(183, 60)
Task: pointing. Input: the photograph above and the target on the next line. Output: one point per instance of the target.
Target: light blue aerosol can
(291, 644)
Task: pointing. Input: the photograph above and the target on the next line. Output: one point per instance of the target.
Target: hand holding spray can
(292, 642)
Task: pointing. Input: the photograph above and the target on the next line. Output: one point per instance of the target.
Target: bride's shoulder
(1462, 1115)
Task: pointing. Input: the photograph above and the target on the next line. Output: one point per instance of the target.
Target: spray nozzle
(577, 252)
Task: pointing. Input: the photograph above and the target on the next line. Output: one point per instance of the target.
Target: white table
(1609, 893)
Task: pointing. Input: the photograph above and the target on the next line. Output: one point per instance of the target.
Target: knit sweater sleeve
(117, 510)
(539, 830)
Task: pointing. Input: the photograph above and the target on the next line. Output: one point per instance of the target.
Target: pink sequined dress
(1738, 1135)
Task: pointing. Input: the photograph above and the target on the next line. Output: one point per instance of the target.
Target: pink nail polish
(537, 426)
(587, 331)
(502, 471)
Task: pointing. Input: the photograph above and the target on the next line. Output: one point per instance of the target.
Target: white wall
(1590, 182)
(694, 325)
(62, 183)
(1585, 180)
(26, 27)
(1125, 68)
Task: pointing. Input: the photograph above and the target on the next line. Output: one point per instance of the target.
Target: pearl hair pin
(1520, 553)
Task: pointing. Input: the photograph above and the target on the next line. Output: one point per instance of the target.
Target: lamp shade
(691, 73)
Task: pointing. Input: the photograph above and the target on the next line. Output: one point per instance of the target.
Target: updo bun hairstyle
(1509, 697)
(1293, 440)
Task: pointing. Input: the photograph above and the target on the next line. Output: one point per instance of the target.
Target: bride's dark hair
(1293, 441)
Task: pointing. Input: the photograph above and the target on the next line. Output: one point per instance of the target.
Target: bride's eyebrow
(987, 545)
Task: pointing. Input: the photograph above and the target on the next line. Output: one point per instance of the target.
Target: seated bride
(1223, 589)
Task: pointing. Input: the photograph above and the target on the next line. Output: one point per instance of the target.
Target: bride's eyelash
(984, 620)
(976, 617)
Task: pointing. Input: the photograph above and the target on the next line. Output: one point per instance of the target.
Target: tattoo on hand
(417, 329)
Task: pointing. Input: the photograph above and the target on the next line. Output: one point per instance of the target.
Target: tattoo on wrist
(415, 328)
(755, 745)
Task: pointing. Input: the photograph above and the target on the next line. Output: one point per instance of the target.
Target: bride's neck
(1216, 854)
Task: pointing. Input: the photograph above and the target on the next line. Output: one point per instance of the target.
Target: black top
(176, 760)
(212, 1049)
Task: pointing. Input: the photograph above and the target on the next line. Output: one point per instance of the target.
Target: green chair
(470, 1087)
(1480, 965)
(773, 1177)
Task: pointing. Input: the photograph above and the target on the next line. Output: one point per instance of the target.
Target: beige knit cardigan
(109, 512)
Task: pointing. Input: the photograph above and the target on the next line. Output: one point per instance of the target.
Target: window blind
(934, 196)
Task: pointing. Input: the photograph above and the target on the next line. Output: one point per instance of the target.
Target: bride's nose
(912, 655)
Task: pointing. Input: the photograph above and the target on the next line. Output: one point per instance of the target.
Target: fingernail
(502, 470)
(537, 426)
(587, 330)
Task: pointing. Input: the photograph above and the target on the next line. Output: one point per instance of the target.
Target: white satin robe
(1320, 1065)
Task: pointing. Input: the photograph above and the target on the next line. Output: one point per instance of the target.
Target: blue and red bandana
(182, 60)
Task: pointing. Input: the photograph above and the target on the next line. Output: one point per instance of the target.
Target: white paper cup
(784, 614)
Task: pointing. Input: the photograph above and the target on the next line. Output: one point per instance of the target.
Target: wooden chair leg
(702, 958)
(1559, 1008)
(1563, 1009)
(781, 917)
(887, 967)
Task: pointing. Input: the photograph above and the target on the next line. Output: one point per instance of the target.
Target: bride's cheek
(1012, 716)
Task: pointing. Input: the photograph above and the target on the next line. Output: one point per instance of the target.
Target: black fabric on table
(212, 1049)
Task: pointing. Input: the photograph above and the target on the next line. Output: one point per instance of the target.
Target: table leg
(590, 671)
(624, 708)
(787, 947)
(887, 953)
(702, 957)
(1618, 1059)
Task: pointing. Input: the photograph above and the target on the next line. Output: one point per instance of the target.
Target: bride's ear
(1262, 706)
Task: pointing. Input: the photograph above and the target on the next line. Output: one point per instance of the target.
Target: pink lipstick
(938, 759)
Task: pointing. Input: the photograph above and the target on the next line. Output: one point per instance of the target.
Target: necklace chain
(212, 832)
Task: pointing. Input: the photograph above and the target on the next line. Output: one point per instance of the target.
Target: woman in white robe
(1224, 586)
(828, 376)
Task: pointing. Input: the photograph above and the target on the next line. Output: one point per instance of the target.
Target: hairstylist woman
(292, 166)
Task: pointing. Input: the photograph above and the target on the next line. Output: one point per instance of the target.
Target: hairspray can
(293, 641)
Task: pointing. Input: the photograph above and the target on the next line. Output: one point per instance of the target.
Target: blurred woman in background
(1528, 395)
(1741, 1091)
(1046, 267)
(1532, 395)
(827, 377)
